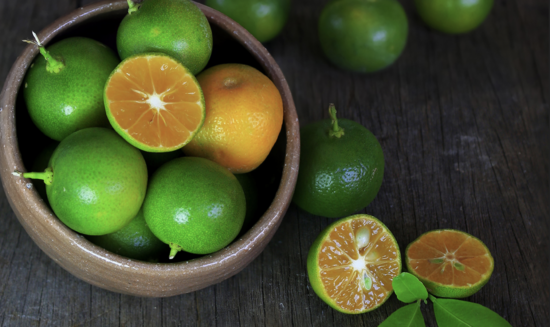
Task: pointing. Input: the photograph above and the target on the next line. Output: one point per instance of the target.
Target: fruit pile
(118, 174)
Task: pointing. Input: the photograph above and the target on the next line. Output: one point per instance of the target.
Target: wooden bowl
(101, 267)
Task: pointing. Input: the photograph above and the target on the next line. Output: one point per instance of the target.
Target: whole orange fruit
(244, 115)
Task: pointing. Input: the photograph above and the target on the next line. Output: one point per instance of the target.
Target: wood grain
(463, 121)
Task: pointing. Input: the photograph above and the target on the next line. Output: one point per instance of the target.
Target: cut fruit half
(352, 263)
(154, 102)
(450, 263)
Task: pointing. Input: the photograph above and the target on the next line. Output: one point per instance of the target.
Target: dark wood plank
(463, 121)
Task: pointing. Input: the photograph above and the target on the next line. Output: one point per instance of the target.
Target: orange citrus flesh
(450, 258)
(154, 102)
(359, 278)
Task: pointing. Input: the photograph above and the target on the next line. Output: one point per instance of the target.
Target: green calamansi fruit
(453, 16)
(341, 167)
(95, 181)
(135, 241)
(63, 88)
(264, 19)
(195, 205)
(177, 28)
(363, 35)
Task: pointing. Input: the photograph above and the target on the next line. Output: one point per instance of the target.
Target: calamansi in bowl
(244, 115)
(99, 266)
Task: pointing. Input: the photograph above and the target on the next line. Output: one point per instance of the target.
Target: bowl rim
(41, 224)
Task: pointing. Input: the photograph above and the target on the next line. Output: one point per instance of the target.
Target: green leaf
(407, 316)
(408, 288)
(455, 313)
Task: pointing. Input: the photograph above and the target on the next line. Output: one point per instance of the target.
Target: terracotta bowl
(103, 268)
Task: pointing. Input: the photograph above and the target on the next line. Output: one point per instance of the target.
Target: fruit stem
(46, 176)
(132, 7)
(174, 248)
(336, 130)
(52, 65)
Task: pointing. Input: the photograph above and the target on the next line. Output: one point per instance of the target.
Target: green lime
(264, 19)
(352, 263)
(450, 263)
(95, 181)
(341, 167)
(135, 241)
(177, 28)
(363, 35)
(453, 16)
(194, 205)
(64, 86)
(251, 195)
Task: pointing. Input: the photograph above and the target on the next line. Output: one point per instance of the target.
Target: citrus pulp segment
(450, 263)
(352, 263)
(154, 102)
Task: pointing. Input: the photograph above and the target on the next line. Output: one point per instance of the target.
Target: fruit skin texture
(363, 36)
(264, 19)
(175, 27)
(244, 115)
(313, 270)
(79, 105)
(454, 292)
(195, 204)
(453, 16)
(135, 241)
(99, 181)
(338, 176)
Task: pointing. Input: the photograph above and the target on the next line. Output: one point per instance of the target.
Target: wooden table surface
(463, 121)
